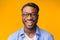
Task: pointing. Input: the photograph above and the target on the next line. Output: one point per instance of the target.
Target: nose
(29, 17)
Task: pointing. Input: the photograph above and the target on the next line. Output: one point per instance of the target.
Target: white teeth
(30, 22)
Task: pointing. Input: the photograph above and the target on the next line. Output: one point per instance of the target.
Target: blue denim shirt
(41, 35)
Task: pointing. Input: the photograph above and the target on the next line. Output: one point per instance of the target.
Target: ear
(37, 15)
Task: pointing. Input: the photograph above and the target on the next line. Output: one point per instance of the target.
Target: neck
(31, 31)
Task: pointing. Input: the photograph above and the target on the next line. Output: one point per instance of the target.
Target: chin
(30, 27)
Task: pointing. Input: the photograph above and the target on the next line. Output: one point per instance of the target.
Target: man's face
(29, 16)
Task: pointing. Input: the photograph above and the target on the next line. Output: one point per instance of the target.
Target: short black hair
(32, 5)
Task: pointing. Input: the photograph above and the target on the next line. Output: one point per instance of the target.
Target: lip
(29, 22)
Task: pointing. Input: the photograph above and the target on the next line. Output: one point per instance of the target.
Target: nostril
(29, 17)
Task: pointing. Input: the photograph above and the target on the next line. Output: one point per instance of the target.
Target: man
(30, 31)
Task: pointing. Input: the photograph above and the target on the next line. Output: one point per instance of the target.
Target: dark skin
(29, 19)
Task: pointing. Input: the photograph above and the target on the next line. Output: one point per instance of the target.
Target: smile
(29, 22)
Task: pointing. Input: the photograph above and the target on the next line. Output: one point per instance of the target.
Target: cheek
(35, 18)
(23, 19)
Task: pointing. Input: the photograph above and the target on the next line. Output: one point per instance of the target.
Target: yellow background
(11, 20)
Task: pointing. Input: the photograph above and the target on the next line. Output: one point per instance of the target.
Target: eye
(24, 14)
(34, 14)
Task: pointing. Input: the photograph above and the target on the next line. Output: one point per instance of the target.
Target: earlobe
(37, 15)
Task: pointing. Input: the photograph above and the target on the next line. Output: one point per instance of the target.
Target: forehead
(29, 9)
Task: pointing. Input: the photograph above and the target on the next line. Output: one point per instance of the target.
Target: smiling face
(29, 17)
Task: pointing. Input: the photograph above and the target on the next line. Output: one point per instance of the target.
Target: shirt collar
(38, 31)
(21, 32)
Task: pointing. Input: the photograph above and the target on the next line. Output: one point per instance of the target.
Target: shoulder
(15, 35)
(46, 35)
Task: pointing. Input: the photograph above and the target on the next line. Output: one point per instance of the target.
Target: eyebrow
(27, 12)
